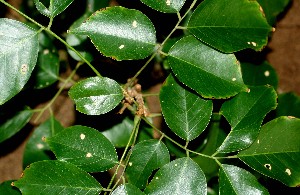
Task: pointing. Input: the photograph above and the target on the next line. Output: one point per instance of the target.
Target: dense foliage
(225, 130)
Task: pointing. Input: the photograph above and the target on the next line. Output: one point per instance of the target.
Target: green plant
(215, 107)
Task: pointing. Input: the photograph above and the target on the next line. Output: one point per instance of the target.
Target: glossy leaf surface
(131, 37)
(6, 188)
(191, 112)
(210, 73)
(276, 151)
(230, 25)
(288, 105)
(13, 125)
(245, 113)
(166, 6)
(36, 149)
(146, 156)
(55, 7)
(127, 189)
(84, 147)
(273, 8)
(181, 176)
(95, 95)
(262, 74)
(55, 177)
(18, 56)
(235, 180)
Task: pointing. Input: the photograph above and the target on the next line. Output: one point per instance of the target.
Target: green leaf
(6, 188)
(127, 189)
(55, 177)
(230, 25)
(47, 68)
(119, 134)
(18, 56)
(146, 156)
(55, 7)
(213, 140)
(288, 105)
(273, 8)
(166, 6)
(245, 113)
(36, 149)
(262, 74)
(210, 73)
(95, 95)
(84, 147)
(13, 125)
(235, 180)
(276, 151)
(131, 37)
(181, 176)
(94, 5)
(185, 112)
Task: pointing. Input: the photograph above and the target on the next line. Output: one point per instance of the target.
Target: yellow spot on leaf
(134, 24)
(40, 146)
(233, 79)
(288, 171)
(267, 73)
(82, 136)
(168, 2)
(88, 155)
(121, 46)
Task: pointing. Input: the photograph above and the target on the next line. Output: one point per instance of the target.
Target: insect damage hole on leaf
(268, 166)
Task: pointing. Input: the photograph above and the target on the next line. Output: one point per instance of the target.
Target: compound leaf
(55, 7)
(235, 180)
(13, 125)
(127, 189)
(120, 33)
(276, 151)
(166, 6)
(230, 25)
(146, 156)
(56, 177)
(18, 56)
(84, 147)
(210, 73)
(95, 95)
(181, 176)
(245, 113)
(185, 112)
(36, 149)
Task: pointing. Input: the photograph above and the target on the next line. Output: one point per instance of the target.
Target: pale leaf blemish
(268, 166)
(233, 79)
(248, 91)
(89, 155)
(156, 177)
(175, 165)
(24, 68)
(288, 171)
(273, 29)
(82, 136)
(267, 73)
(258, 141)
(130, 164)
(134, 24)
(121, 46)
(254, 44)
(248, 43)
(168, 2)
(46, 51)
(40, 146)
